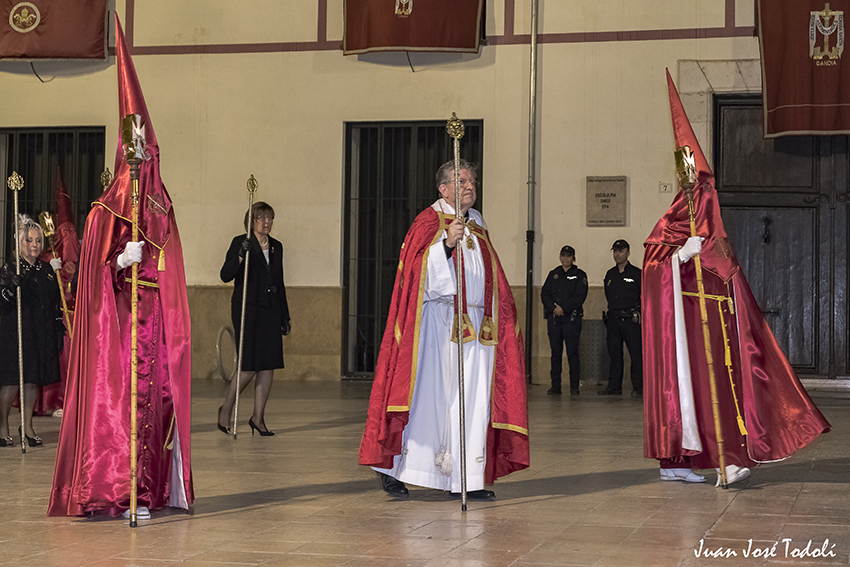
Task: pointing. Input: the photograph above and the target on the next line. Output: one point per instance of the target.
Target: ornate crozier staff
(455, 128)
(16, 183)
(687, 176)
(252, 188)
(46, 222)
(133, 138)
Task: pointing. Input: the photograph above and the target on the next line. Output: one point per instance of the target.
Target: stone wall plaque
(606, 200)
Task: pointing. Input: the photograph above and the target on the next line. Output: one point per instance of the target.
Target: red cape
(779, 415)
(392, 390)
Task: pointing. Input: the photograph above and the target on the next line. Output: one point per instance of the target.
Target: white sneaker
(734, 473)
(686, 475)
(142, 513)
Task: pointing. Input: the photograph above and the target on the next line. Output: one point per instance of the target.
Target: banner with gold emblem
(805, 73)
(413, 25)
(53, 29)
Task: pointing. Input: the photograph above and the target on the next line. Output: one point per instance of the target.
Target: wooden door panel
(751, 163)
(796, 263)
(777, 251)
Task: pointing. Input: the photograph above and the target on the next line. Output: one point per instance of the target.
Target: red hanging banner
(805, 73)
(53, 29)
(412, 25)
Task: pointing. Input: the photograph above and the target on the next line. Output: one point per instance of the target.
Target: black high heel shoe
(262, 433)
(221, 428)
(34, 441)
(6, 442)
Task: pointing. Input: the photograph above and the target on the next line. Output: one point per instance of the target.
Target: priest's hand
(56, 264)
(454, 233)
(285, 328)
(132, 254)
(692, 247)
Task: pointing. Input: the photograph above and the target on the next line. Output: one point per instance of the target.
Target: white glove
(56, 264)
(691, 248)
(132, 254)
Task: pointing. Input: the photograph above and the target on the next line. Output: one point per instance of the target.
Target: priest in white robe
(413, 431)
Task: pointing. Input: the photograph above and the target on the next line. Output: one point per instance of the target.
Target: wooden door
(784, 205)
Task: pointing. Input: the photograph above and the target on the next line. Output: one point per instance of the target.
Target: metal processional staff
(455, 128)
(16, 183)
(252, 188)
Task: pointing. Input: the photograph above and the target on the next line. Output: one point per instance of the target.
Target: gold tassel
(741, 426)
(161, 266)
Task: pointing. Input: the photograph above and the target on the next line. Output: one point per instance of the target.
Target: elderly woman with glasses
(266, 312)
(41, 327)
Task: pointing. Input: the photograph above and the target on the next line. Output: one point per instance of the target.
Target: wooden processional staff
(46, 222)
(252, 188)
(687, 177)
(16, 183)
(133, 138)
(455, 128)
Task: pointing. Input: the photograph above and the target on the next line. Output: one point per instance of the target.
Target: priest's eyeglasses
(463, 182)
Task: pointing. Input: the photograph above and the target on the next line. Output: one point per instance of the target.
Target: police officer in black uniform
(622, 289)
(563, 295)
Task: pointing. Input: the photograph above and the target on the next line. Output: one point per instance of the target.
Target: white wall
(603, 110)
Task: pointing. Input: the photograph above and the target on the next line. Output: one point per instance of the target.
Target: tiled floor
(299, 498)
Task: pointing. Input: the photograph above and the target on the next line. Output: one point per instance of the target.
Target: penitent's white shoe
(734, 473)
(686, 475)
(142, 513)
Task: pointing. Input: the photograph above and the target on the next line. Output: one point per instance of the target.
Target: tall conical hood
(674, 228)
(682, 131)
(67, 242)
(130, 97)
(154, 201)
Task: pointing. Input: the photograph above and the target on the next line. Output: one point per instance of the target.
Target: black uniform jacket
(566, 288)
(622, 290)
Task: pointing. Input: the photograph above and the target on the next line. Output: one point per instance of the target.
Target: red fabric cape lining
(97, 317)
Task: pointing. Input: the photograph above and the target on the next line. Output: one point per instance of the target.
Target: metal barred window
(390, 170)
(38, 155)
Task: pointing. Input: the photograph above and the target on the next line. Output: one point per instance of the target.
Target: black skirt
(263, 347)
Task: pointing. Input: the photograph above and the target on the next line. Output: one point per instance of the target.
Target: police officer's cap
(620, 244)
(568, 251)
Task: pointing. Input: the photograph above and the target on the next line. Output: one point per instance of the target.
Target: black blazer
(265, 281)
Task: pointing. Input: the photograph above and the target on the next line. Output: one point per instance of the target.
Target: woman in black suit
(266, 313)
(41, 324)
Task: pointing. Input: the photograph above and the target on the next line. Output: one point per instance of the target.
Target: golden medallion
(24, 17)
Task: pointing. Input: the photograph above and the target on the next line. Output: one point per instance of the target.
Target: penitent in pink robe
(93, 459)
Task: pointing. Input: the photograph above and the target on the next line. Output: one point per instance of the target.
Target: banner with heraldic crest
(805, 79)
(53, 29)
(399, 25)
